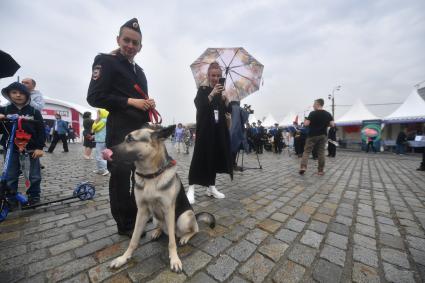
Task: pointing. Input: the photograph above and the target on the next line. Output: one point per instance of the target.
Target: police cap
(132, 24)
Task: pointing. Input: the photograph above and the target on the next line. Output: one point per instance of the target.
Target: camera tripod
(242, 168)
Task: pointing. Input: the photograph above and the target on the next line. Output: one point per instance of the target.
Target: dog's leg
(175, 262)
(141, 219)
(187, 226)
(158, 230)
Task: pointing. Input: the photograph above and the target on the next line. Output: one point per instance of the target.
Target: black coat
(111, 85)
(332, 133)
(212, 145)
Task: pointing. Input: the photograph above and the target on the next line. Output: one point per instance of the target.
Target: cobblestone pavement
(363, 221)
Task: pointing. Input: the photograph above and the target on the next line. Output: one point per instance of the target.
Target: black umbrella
(8, 65)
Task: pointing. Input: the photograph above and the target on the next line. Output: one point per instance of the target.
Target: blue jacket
(62, 128)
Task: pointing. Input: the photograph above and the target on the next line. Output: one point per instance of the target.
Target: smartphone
(222, 81)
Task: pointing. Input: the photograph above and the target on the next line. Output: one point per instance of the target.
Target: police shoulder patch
(96, 72)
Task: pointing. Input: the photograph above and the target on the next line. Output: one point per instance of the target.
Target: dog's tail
(206, 218)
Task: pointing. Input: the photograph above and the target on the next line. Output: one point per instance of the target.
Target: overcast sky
(373, 49)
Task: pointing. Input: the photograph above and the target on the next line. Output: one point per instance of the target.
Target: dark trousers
(122, 201)
(56, 138)
(331, 150)
(423, 159)
(370, 144)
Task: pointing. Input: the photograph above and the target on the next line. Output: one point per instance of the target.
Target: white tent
(288, 120)
(412, 110)
(355, 115)
(269, 121)
(252, 119)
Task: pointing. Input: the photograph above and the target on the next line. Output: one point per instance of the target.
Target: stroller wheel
(4, 210)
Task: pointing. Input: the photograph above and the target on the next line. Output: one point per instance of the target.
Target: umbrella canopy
(8, 65)
(242, 71)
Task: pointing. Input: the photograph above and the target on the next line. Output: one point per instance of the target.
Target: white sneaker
(212, 191)
(191, 194)
(105, 173)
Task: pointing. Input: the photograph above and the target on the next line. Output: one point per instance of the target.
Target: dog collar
(170, 164)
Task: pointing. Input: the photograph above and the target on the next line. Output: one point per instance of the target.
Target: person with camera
(211, 154)
(60, 130)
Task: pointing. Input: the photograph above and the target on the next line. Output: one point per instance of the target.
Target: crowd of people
(115, 89)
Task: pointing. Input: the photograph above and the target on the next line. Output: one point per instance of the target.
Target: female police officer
(112, 88)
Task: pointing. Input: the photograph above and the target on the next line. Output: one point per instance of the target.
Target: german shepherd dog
(158, 192)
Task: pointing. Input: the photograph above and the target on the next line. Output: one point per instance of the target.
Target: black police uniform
(111, 85)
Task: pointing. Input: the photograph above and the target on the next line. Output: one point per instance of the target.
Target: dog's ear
(164, 133)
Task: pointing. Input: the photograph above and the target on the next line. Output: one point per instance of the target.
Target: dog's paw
(156, 233)
(183, 240)
(118, 262)
(176, 265)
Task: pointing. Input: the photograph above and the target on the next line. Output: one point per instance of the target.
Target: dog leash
(154, 115)
(170, 164)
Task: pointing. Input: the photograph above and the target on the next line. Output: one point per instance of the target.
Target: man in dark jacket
(60, 129)
(113, 87)
(401, 142)
(332, 137)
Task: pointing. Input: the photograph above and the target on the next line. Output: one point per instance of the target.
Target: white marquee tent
(269, 121)
(412, 110)
(355, 115)
(288, 120)
(252, 119)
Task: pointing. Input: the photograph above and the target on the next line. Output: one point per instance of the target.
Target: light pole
(332, 96)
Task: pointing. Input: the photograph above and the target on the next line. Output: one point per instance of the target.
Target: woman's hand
(37, 153)
(141, 104)
(218, 89)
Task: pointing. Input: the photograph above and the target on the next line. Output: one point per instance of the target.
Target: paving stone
(216, 246)
(102, 271)
(236, 233)
(148, 267)
(318, 227)
(66, 246)
(279, 217)
(302, 254)
(384, 220)
(48, 242)
(169, 276)
(222, 268)
(12, 252)
(48, 263)
(295, 225)
(395, 257)
(389, 230)
(69, 269)
(417, 243)
(286, 235)
(337, 240)
(418, 256)
(256, 268)
(333, 254)
(242, 251)
(370, 221)
(364, 241)
(195, 262)
(365, 255)
(366, 230)
(322, 217)
(393, 274)
(365, 274)
(327, 272)
(269, 225)
(256, 236)
(201, 277)
(339, 229)
(289, 272)
(237, 279)
(312, 239)
(80, 278)
(273, 249)
(92, 247)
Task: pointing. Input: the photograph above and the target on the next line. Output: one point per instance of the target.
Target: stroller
(10, 198)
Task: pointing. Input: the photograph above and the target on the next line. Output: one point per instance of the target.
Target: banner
(371, 134)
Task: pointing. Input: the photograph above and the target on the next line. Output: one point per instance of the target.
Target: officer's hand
(37, 153)
(152, 103)
(141, 104)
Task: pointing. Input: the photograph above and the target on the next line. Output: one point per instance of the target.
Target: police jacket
(112, 84)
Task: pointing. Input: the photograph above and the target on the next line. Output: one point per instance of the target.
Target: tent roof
(355, 115)
(252, 119)
(288, 120)
(412, 110)
(269, 121)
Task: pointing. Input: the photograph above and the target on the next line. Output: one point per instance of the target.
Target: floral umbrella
(242, 71)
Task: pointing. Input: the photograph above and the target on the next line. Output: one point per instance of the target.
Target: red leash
(154, 115)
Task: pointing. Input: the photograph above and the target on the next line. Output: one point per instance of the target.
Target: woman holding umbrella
(211, 154)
